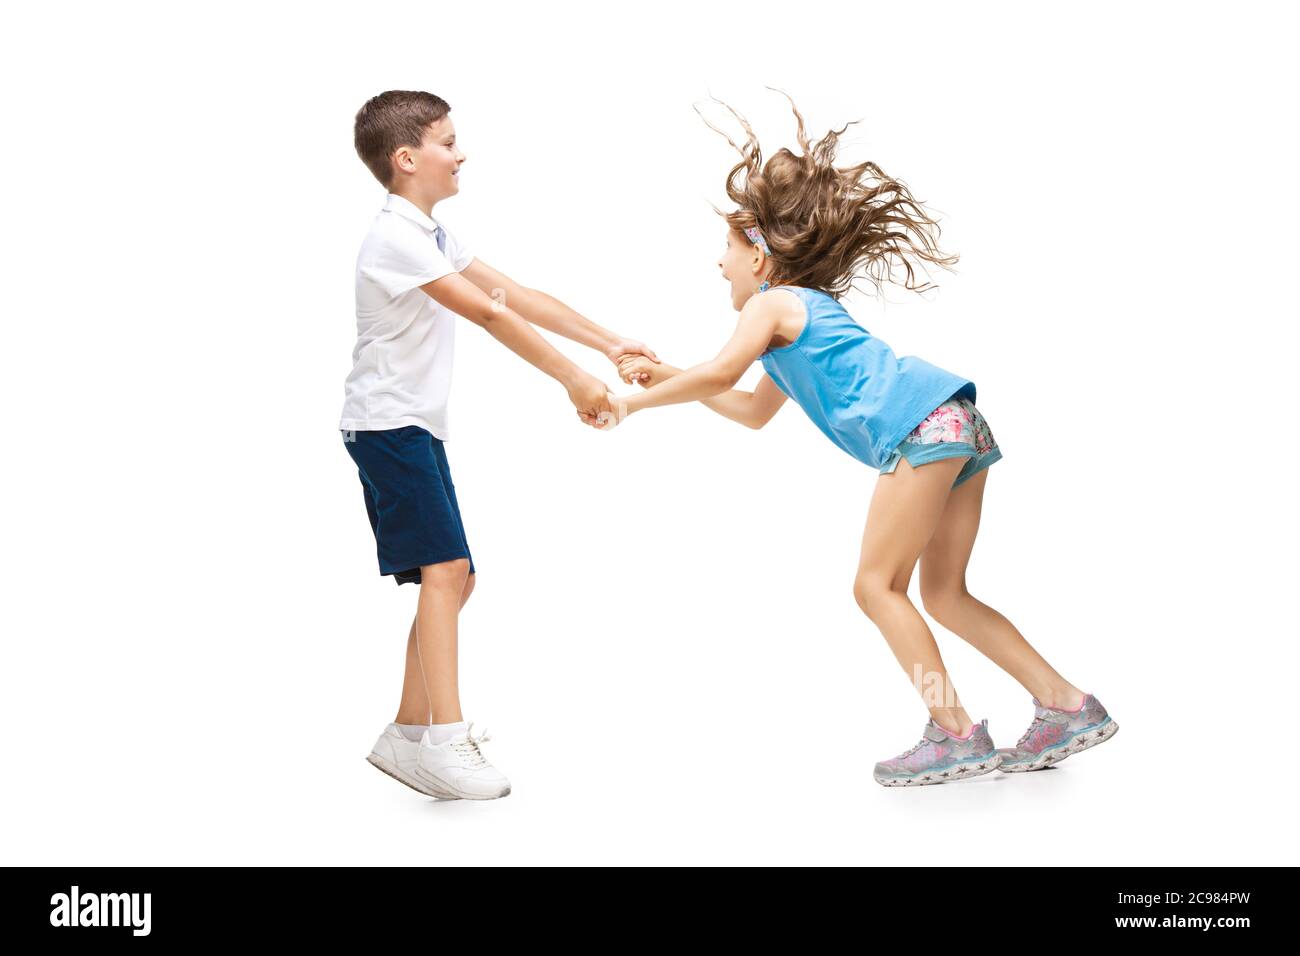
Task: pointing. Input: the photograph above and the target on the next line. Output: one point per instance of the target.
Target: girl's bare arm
(752, 409)
(758, 322)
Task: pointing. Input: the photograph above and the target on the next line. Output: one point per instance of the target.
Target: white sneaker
(397, 757)
(459, 767)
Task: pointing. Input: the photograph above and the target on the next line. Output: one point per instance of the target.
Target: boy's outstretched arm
(752, 409)
(588, 393)
(551, 314)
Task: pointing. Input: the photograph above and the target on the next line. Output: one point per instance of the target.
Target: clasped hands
(596, 405)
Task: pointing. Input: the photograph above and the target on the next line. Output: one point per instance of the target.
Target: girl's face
(744, 266)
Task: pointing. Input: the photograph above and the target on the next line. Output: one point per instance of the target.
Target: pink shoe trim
(967, 735)
(1080, 707)
(1065, 710)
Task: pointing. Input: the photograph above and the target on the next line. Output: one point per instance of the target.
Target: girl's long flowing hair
(828, 225)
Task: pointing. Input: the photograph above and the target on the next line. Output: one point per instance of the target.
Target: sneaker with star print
(939, 757)
(1055, 734)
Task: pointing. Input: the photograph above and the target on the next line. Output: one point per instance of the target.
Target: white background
(664, 646)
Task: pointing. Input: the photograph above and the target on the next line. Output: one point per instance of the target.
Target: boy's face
(433, 169)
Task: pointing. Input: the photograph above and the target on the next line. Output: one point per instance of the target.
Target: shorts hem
(990, 456)
(410, 573)
(923, 454)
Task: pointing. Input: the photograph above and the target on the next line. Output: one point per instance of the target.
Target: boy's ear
(402, 161)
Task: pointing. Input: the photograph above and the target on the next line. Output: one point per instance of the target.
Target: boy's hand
(628, 347)
(589, 397)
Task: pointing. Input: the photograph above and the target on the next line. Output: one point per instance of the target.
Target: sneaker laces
(921, 743)
(467, 748)
(1028, 733)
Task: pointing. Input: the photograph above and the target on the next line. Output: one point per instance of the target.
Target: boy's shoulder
(390, 227)
(402, 250)
(388, 234)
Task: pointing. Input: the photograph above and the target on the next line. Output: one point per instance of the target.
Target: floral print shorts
(955, 428)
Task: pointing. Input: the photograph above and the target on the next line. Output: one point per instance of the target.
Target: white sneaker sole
(460, 794)
(947, 775)
(1076, 744)
(420, 786)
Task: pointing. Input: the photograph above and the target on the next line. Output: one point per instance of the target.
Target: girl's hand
(637, 370)
(619, 409)
(627, 348)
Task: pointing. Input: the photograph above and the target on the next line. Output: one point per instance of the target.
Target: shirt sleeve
(458, 252)
(405, 259)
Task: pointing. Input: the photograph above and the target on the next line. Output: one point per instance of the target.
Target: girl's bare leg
(905, 511)
(414, 708)
(945, 598)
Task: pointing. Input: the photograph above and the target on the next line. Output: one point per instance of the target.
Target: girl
(802, 231)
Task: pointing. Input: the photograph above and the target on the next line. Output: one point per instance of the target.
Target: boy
(413, 278)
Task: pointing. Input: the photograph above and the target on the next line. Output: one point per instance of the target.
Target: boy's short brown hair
(392, 119)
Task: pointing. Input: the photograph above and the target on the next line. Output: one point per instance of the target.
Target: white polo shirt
(401, 366)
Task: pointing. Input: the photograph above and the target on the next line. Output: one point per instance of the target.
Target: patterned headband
(757, 239)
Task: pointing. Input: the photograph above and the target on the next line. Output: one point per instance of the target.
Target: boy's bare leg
(414, 708)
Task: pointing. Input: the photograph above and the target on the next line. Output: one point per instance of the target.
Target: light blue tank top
(853, 387)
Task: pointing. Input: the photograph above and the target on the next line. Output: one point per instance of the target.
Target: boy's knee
(446, 574)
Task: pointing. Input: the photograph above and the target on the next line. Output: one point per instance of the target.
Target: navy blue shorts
(410, 499)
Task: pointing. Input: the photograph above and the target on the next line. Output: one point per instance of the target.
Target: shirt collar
(404, 207)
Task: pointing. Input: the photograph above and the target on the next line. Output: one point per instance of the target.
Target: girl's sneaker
(940, 757)
(458, 766)
(1055, 734)
(397, 756)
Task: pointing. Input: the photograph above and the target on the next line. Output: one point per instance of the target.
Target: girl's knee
(942, 603)
(870, 590)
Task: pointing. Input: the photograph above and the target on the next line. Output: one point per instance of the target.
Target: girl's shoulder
(785, 312)
(776, 303)
(781, 296)
(807, 297)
